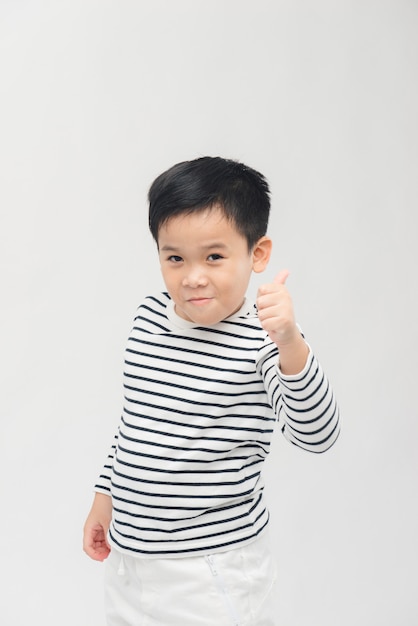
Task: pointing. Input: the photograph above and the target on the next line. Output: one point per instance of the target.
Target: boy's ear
(261, 254)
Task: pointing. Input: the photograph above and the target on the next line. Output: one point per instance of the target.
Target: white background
(98, 97)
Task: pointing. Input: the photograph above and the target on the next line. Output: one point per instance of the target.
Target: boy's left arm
(302, 394)
(275, 311)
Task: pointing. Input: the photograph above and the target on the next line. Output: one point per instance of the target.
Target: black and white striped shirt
(200, 407)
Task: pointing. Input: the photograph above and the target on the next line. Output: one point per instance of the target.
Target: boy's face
(206, 265)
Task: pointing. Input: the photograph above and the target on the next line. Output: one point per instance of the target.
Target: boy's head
(209, 219)
(239, 191)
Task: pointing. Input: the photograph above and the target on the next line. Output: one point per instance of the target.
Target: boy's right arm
(95, 543)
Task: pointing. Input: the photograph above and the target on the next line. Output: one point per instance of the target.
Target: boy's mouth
(199, 301)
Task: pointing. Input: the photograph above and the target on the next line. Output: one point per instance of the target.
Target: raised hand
(275, 310)
(276, 315)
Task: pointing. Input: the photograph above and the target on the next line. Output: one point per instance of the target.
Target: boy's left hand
(275, 311)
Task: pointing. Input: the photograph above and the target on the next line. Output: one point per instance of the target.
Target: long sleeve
(304, 404)
(104, 480)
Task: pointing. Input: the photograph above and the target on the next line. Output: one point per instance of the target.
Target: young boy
(179, 509)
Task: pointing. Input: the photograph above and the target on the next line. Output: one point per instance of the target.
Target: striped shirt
(200, 408)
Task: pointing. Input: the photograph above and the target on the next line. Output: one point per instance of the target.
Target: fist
(275, 311)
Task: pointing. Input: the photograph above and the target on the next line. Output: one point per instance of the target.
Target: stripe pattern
(200, 406)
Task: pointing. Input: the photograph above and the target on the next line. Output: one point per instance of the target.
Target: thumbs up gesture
(275, 312)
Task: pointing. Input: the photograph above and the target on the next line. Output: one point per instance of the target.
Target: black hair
(242, 194)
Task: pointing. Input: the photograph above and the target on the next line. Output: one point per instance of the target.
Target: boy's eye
(215, 257)
(174, 258)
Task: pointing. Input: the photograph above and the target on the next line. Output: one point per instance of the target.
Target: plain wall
(96, 99)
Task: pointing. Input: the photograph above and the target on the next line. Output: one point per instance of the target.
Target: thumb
(281, 277)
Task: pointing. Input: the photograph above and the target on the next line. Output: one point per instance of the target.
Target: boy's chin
(204, 314)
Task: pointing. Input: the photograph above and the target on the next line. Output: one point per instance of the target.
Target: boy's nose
(195, 278)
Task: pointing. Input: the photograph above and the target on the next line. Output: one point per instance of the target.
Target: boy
(179, 509)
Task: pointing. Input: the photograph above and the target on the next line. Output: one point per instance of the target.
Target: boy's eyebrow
(216, 244)
(168, 248)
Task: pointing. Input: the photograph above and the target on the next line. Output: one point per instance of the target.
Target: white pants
(225, 589)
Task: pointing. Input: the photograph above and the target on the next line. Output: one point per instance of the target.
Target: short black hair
(242, 194)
